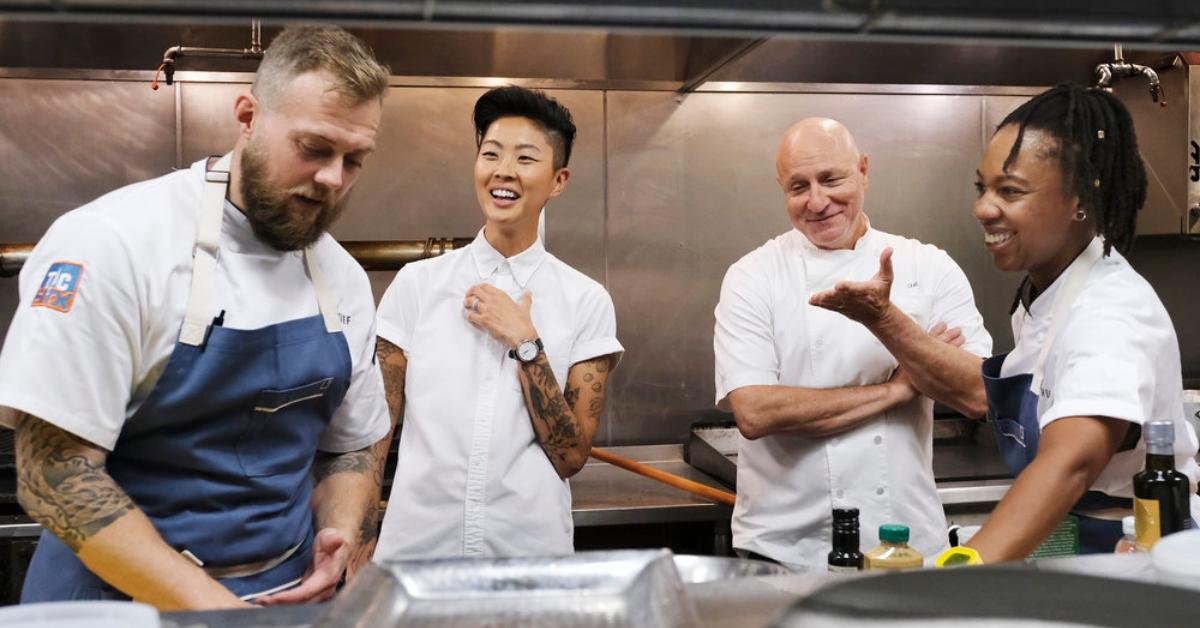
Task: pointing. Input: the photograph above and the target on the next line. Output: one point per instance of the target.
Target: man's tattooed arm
(346, 497)
(62, 482)
(394, 367)
(565, 421)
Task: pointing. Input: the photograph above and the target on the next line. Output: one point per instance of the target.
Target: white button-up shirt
(472, 479)
(768, 334)
(1115, 355)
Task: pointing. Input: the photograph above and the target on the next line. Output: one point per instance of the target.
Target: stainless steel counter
(607, 495)
(746, 602)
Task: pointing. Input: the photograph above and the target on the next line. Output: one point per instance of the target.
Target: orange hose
(154, 83)
(670, 479)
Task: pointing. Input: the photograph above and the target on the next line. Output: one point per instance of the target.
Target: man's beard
(273, 221)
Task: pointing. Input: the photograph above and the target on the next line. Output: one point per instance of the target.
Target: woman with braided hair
(1096, 356)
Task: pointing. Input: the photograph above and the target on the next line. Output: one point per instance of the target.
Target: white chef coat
(768, 334)
(89, 368)
(472, 479)
(1115, 355)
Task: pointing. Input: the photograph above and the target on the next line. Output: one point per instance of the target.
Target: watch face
(527, 351)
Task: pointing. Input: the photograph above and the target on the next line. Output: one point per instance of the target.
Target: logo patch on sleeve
(59, 287)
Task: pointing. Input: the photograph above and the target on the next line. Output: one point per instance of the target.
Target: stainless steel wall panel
(420, 181)
(692, 189)
(1163, 145)
(206, 119)
(68, 142)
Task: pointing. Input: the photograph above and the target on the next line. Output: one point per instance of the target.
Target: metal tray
(616, 589)
(713, 449)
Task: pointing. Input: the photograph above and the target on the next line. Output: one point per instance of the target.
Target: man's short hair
(517, 102)
(302, 49)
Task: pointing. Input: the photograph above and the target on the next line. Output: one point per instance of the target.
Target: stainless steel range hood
(1166, 25)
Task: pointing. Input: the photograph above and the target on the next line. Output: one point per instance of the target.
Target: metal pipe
(172, 54)
(1106, 73)
(371, 254)
(12, 258)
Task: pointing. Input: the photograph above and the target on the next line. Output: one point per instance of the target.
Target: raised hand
(867, 302)
(490, 309)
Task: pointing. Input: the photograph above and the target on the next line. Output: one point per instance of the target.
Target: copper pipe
(12, 258)
(670, 479)
(371, 254)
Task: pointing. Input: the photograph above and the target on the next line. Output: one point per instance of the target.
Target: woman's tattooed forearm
(550, 405)
(62, 482)
(565, 420)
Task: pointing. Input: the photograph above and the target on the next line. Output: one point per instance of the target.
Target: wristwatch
(526, 351)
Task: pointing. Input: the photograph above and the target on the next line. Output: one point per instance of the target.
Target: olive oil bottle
(845, 555)
(1160, 493)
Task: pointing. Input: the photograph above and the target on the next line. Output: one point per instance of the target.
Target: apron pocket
(272, 401)
(274, 437)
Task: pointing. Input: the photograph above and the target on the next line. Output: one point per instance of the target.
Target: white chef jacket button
(879, 491)
(841, 493)
(878, 440)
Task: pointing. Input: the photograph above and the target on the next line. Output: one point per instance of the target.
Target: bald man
(831, 340)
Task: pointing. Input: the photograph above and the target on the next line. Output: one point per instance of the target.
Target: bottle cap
(845, 513)
(1128, 526)
(1160, 436)
(893, 533)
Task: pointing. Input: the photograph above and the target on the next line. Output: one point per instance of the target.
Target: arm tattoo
(62, 482)
(550, 406)
(395, 368)
(565, 420)
(364, 462)
(327, 464)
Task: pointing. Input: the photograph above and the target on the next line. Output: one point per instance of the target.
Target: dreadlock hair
(1097, 153)
(543, 111)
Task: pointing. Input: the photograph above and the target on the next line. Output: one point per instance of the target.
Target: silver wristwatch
(526, 351)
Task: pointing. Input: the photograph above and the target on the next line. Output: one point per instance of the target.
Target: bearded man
(190, 371)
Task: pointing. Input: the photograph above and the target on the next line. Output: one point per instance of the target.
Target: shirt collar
(1039, 303)
(863, 243)
(523, 264)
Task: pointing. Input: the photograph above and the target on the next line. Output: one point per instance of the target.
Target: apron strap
(1062, 303)
(324, 299)
(204, 255)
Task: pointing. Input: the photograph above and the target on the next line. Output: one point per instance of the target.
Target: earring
(1080, 215)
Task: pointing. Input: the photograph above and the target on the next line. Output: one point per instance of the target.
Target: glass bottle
(845, 555)
(893, 551)
(1160, 493)
(1128, 543)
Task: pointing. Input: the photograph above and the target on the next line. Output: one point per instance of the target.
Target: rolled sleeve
(743, 342)
(597, 335)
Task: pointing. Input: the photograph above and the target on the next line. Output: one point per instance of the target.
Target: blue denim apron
(218, 456)
(1012, 410)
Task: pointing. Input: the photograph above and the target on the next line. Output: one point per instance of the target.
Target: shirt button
(879, 491)
(878, 440)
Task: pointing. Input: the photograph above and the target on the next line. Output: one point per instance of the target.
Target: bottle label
(839, 569)
(1147, 521)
